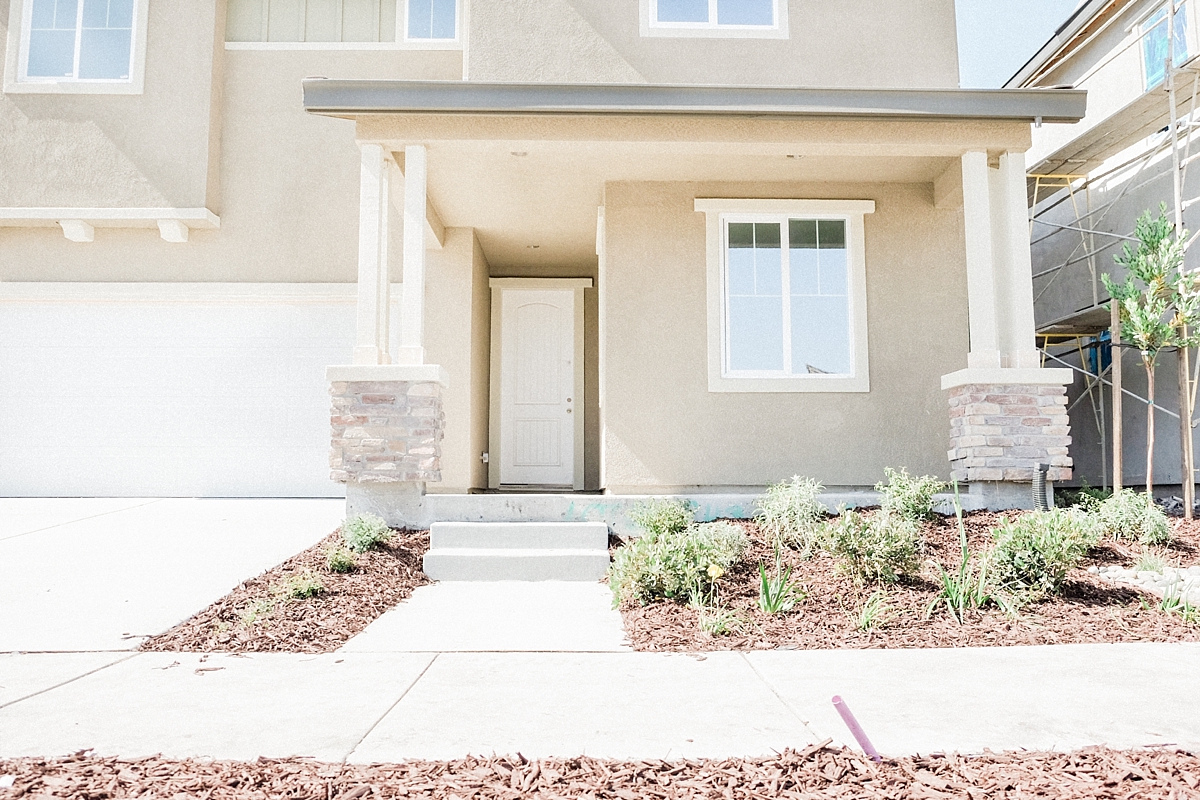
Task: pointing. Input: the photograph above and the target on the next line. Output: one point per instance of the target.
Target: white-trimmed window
(755, 18)
(78, 46)
(787, 295)
(334, 23)
(1154, 30)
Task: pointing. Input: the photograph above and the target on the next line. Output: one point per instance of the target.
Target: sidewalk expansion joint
(81, 519)
(134, 654)
(389, 710)
(779, 697)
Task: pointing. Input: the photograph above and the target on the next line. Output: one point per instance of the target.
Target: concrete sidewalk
(100, 574)
(366, 707)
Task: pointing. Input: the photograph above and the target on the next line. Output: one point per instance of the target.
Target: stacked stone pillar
(1001, 432)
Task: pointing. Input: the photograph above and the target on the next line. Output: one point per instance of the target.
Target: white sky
(996, 37)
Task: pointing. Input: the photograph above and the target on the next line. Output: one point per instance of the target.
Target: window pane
(832, 234)
(51, 54)
(1154, 44)
(64, 15)
(683, 10)
(745, 12)
(95, 13)
(120, 13)
(243, 21)
(104, 53)
(756, 333)
(820, 335)
(420, 19)
(768, 259)
(43, 15)
(443, 19)
(741, 270)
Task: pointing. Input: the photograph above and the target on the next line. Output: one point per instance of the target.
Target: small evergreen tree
(1158, 304)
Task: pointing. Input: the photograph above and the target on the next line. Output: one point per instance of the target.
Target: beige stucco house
(637, 246)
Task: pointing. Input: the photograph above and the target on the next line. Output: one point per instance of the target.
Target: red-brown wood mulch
(1089, 609)
(254, 618)
(818, 771)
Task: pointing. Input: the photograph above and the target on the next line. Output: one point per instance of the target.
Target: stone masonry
(1001, 432)
(386, 431)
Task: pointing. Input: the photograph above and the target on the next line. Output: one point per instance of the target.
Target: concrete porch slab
(631, 705)
(501, 616)
(235, 707)
(102, 582)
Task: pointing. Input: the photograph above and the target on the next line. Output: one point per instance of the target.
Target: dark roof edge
(1083, 14)
(352, 97)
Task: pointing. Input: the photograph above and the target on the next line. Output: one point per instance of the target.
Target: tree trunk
(1149, 427)
(1187, 455)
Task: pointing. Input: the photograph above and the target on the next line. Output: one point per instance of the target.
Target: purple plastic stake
(855, 728)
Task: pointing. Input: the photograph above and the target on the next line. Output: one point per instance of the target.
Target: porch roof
(354, 97)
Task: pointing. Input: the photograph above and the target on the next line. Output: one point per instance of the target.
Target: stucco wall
(664, 430)
(869, 43)
(288, 195)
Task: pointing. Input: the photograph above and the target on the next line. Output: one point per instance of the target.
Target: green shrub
(1132, 516)
(909, 497)
(1151, 561)
(1034, 552)
(880, 548)
(968, 586)
(1086, 497)
(340, 558)
(778, 594)
(364, 531)
(876, 612)
(298, 586)
(675, 564)
(719, 621)
(790, 513)
(663, 516)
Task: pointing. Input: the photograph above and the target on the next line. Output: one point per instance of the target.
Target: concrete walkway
(99, 574)
(367, 707)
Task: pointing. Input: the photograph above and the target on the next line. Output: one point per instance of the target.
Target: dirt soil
(254, 618)
(1089, 609)
(818, 771)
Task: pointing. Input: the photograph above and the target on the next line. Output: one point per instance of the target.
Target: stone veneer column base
(1003, 423)
(387, 425)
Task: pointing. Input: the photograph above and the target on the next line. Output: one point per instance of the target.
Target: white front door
(537, 392)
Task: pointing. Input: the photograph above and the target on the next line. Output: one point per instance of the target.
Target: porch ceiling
(533, 203)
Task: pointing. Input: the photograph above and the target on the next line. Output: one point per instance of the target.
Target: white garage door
(169, 390)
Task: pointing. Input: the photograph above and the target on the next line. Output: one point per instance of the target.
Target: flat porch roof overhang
(356, 97)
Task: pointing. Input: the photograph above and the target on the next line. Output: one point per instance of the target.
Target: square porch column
(386, 419)
(1007, 413)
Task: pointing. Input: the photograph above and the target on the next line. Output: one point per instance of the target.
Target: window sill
(838, 384)
(687, 32)
(448, 44)
(72, 87)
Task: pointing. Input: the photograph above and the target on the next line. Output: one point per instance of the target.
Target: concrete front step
(508, 564)
(519, 535)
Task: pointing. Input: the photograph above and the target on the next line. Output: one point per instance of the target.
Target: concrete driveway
(99, 574)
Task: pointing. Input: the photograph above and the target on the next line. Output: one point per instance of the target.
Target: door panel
(537, 385)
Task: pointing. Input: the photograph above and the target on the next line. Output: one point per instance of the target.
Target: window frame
(402, 27)
(1141, 34)
(718, 213)
(400, 42)
(17, 81)
(650, 26)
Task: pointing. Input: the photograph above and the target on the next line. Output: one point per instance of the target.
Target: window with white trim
(84, 41)
(431, 20)
(1154, 32)
(787, 286)
(715, 14)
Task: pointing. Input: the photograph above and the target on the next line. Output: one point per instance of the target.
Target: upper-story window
(79, 45)
(1154, 33)
(755, 18)
(342, 21)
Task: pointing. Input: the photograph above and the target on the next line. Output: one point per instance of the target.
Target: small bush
(663, 516)
(1131, 516)
(778, 594)
(881, 548)
(1151, 561)
(909, 497)
(876, 612)
(676, 564)
(340, 558)
(790, 513)
(364, 531)
(1086, 497)
(719, 621)
(299, 587)
(1033, 553)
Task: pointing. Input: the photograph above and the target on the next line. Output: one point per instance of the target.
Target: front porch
(629, 197)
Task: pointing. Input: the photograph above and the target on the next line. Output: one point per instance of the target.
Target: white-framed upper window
(752, 18)
(77, 46)
(341, 24)
(787, 295)
(1154, 32)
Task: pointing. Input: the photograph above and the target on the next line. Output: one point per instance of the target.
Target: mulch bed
(818, 771)
(254, 618)
(1089, 609)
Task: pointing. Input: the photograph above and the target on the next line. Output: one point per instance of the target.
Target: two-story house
(638, 246)
(1089, 184)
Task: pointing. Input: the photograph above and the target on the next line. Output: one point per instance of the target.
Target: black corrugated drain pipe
(1041, 497)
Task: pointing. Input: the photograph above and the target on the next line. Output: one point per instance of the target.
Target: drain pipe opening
(1041, 495)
